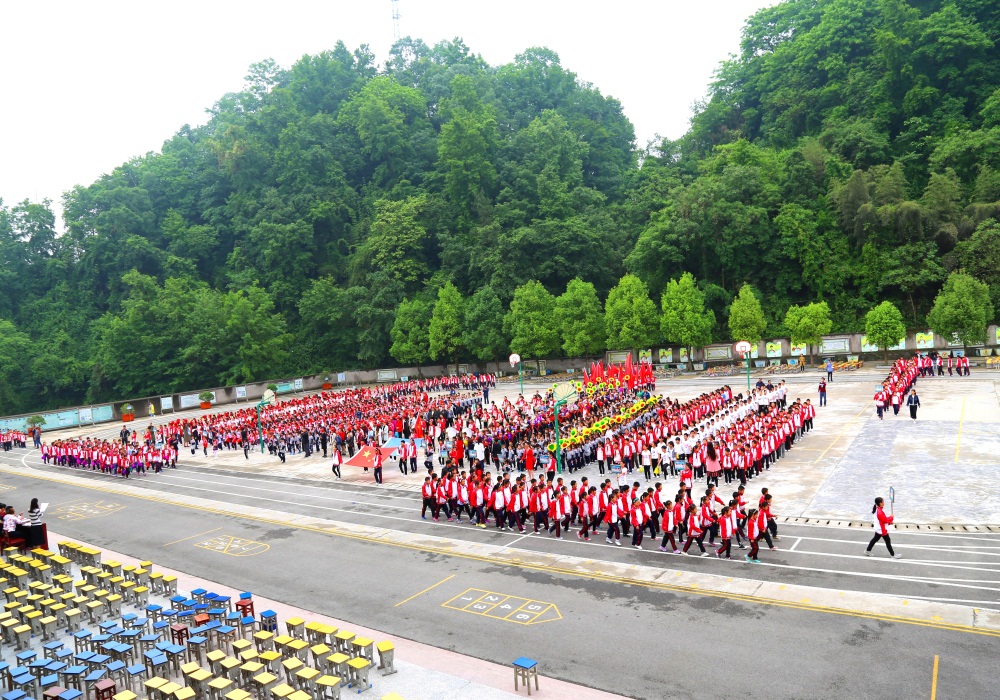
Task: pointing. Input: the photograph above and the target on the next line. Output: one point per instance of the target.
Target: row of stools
(216, 648)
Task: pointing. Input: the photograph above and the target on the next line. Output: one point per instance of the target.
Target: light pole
(561, 393)
(744, 347)
(515, 359)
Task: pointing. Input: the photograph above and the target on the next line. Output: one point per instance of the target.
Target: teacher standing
(34, 531)
(913, 401)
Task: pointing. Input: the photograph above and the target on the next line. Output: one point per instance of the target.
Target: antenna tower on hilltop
(395, 19)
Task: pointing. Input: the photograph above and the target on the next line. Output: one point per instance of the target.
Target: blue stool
(71, 694)
(233, 618)
(84, 656)
(51, 648)
(159, 626)
(139, 623)
(24, 682)
(25, 657)
(116, 669)
(98, 660)
(177, 599)
(153, 611)
(48, 681)
(72, 676)
(14, 695)
(196, 644)
(134, 674)
(93, 677)
(524, 669)
(269, 621)
(64, 654)
(108, 625)
(198, 593)
(223, 601)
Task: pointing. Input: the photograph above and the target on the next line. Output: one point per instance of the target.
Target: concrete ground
(640, 624)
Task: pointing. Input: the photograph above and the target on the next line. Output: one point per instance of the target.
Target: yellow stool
(249, 670)
(271, 659)
(282, 690)
(237, 695)
(342, 641)
(291, 666)
(305, 678)
(363, 647)
(250, 655)
(300, 695)
(125, 695)
(320, 652)
(359, 669)
(294, 626)
(184, 693)
(263, 640)
(386, 652)
(264, 682)
(338, 664)
(218, 687)
(299, 648)
(328, 687)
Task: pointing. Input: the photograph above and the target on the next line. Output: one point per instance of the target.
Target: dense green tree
(808, 324)
(580, 319)
(962, 308)
(685, 319)
(530, 322)
(630, 316)
(447, 324)
(410, 333)
(884, 327)
(746, 317)
(484, 321)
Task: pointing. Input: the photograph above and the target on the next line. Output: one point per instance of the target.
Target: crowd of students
(892, 393)
(113, 458)
(714, 436)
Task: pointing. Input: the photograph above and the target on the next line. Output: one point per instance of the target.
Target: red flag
(365, 457)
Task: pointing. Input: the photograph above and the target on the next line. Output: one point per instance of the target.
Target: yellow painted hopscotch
(233, 546)
(523, 611)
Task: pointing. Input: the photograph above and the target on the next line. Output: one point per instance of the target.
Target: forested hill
(849, 154)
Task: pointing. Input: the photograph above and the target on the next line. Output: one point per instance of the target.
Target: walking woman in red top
(882, 523)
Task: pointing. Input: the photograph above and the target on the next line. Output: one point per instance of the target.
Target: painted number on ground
(233, 546)
(80, 511)
(511, 608)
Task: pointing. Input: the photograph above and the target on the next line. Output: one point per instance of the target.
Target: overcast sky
(89, 85)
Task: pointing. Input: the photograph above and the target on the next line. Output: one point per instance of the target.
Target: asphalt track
(635, 640)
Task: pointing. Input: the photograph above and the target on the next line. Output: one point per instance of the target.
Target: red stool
(245, 607)
(200, 619)
(179, 634)
(104, 690)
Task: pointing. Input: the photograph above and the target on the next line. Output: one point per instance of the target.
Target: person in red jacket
(638, 518)
(753, 534)
(726, 534)
(882, 523)
(611, 519)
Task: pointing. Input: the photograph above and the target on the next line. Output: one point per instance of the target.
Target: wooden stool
(524, 670)
(179, 634)
(104, 690)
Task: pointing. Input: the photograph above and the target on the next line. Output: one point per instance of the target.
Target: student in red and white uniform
(695, 533)
(611, 516)
(638, 519)
(667, 523)
(882, 523)
(753, 535)
(725, 534)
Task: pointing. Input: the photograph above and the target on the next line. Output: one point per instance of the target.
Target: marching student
(725, 534)
(668, 528)
(753, 535)
(611, 519)
(637, 517)
(882, 523)
(694, 531)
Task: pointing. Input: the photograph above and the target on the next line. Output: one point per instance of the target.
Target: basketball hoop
(743, 347)
(514, 359)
